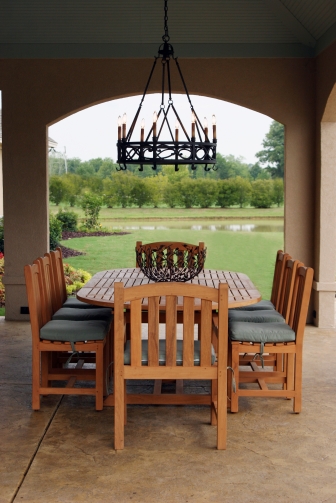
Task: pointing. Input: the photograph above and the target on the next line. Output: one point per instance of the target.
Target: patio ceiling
(198, 28)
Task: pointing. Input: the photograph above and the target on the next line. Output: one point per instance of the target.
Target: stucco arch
(54, 89)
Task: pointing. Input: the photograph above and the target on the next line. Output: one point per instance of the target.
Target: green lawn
(250, 252)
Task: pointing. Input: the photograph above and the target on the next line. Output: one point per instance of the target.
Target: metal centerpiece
(165, 263)
(154, 151)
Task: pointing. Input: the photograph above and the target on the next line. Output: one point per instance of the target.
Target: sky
(92, 132)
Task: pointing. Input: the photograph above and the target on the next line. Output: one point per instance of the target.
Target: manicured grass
(250, 252)
(107, 214)
(2, 311)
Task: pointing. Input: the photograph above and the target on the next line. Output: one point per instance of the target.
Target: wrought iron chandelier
(152, 150)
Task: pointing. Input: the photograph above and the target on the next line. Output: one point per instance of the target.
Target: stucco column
(25, 196)
(325, 286)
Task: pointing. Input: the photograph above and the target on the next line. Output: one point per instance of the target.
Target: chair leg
(36, 398)
(214, 398)
(125, 403)
(290, 363)
(297, 402)
(119, 411)
(222, 410)
(235, 367)
(99, 376)
(45, 362)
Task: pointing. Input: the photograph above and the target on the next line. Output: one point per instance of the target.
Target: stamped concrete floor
(64, 452)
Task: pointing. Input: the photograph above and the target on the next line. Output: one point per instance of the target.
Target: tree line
(233, 183)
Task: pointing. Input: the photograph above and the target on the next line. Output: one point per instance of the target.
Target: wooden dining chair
(277, 284)
(275, 338)
(170, 358)
(60, 297)
(49, 336)
(271, 315)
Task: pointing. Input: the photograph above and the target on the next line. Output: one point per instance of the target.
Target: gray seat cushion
(260, 332)
(78, 304)
(74, 331)
(162, 353)
(262, 305)
(259, 316)
(73, 314)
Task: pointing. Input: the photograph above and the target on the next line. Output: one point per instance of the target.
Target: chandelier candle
(142, 135)
(191, 150)
(214, 128)
(119, 128)
(205, 124)
(124, 120)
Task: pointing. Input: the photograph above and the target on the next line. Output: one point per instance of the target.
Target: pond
(207, 225)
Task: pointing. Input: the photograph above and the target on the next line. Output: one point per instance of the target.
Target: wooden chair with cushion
(50, 336)
(170, 358)
(275, 338)
(60, 297)
(274, 302)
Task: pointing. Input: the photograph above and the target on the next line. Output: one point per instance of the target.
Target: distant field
(250, 252)
(107, 214)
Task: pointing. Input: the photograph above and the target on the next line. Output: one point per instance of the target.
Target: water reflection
(214, 227)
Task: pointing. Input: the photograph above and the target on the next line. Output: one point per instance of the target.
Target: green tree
(91, 204)
(242, 191)
(118, 189)
(188, 192)
(57, 190)
(278, 191)
(141, 192)
(207, 192)
(227, 194)
(107, 168)
(157, 185)
(175, 176)
(230, 166)
(273, 154)
(172, 194)
(262, 194)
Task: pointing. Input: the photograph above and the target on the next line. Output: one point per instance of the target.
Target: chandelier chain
(166, 36)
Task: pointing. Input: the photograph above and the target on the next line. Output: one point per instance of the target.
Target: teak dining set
(124, 326)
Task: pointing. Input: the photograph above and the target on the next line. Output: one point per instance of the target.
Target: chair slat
(171, 320)
(136, 332)
(206, 331)
(153, 331)
(188, 331)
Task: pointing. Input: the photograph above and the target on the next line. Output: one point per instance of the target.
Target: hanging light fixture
(193, 150)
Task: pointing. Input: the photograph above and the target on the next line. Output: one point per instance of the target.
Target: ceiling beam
(291, 22)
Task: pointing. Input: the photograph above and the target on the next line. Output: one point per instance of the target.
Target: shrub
(55, 232)
(74, 278)
(91, 205)
(262, 194)
(68, 219)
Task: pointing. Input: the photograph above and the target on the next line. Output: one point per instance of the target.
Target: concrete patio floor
(64, 452)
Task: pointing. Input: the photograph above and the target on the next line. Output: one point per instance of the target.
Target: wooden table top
(99, 289)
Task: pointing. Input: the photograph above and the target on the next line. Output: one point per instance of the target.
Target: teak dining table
(99, 291)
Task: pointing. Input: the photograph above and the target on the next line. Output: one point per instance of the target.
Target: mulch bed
(68, 252)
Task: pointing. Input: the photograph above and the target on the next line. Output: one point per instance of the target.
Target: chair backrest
(156, 251)
(277, 277)
(34, 287)
(47, 287)
(168, 292)
(300, 301)
(58, 278)
(286, 291)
